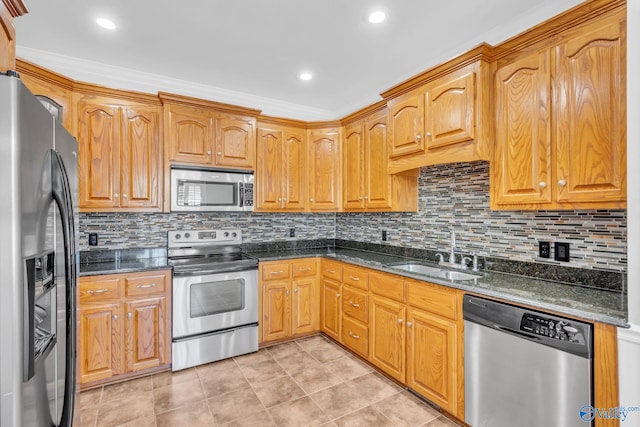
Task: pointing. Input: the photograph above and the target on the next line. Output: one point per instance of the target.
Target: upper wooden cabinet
(9, 9)
(208, 133)
(324, 169)
(560, 123)
(120, 156)
(366, 183)
(281, 178)
(444, 120)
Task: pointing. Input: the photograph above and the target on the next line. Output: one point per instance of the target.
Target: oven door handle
(206, 272)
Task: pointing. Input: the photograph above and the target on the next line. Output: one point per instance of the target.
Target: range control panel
(551, 328)
(181, 238)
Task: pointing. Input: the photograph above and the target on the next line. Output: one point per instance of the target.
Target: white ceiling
(249, 52)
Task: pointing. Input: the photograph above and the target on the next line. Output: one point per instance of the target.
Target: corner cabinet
(120, 155)
(281, 176)
(445, 120)
(324, 169)
(124, 326)
(560, 123)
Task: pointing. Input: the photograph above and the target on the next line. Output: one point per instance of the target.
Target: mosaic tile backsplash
(450, 196)
(456, 196)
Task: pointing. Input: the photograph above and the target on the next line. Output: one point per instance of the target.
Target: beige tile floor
(309, 382)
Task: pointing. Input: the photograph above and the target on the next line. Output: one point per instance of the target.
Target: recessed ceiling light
(377, 17)
(106, 23)
(305, 76)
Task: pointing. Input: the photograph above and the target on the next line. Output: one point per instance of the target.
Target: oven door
(212, 302)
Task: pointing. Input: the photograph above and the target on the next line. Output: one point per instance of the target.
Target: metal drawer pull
(151, 285)
(409, 324)
(337, 295)
(399, 321)
(354, 336)
(355, 279)
(305, 269)
(97, 291)
(354, 304)
(286, 292)
(129, 315)
(331, 271)
(115, 317)
(277, 272)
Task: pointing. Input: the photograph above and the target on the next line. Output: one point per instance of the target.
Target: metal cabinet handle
(295, 290)
(287, 292)
(355, 279)
(151, 285)
(337, 295)
(562, 183)
(399, 321)
(354, 336)
(331, 271)
(428, 134)
(418, 137)
(359, 198)
(305, 269)
(97, 291)
(129, 315)
(284, 199)
(311, 199)
(542, 184)
(277, 272)
(366, 197)
(115, 317)
(409, 324)
(279, 199)
(354, 304)
(125, 195)
(115, 195)
(219, 153)
(208, 151)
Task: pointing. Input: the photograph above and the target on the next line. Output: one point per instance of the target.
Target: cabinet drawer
(355, 304)
(433, 298)
(387, 286)
(332, 270)
(305, 268)
(99, 289)
(355, 336)
(356, 277)
(146, 285)
(273, 271)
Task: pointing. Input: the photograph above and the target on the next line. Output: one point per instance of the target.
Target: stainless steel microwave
(210, 190)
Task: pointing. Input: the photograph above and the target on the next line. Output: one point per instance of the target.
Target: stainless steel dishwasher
(524, 368)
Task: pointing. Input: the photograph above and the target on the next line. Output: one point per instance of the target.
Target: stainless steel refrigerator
(38, 262)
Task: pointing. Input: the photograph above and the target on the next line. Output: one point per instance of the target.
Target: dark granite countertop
(587, 303)
(122, 261)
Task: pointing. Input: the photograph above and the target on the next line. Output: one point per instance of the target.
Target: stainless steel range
(215, 297)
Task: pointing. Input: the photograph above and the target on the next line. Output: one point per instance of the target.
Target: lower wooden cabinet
(124, 325)
(330, 300)
(288, 299)
(387, 339)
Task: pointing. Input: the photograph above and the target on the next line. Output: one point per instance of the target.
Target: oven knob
(178, 237)
(187, 235)
(226, 234)
(234, 234)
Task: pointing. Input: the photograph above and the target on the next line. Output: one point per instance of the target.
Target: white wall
(629, 339)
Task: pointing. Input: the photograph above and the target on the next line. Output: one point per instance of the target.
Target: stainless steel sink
(435, 271)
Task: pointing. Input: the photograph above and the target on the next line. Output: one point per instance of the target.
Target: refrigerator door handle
(62, 195)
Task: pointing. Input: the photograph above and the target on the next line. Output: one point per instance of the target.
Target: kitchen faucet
(452, 257)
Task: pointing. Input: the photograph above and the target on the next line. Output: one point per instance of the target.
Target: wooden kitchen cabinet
(561, 118)
(354, 167)
(444, 120)
(120, 156)
(289, 299)
(387, 336)
(281, 178)
(331, 316)
(208, 134)
(125, 325)
(324, 169)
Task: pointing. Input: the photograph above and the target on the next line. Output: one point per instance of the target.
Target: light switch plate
(562, 252)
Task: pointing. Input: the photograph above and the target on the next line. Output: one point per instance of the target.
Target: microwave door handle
(241, 195)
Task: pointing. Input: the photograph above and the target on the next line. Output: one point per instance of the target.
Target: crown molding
(15, 7)
(128, 79)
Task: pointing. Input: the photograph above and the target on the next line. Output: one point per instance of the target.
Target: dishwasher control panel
(551, 328)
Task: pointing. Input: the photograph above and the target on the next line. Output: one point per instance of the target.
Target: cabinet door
(387, 339)
(450, 111)
(41, 86)
(405, 114)
(378, 182)
(101, 346)
(354, 168)
(324, 170)
(432, 368)
(330, 313)
(521, 173)
(99, 155)
(146, 333)
(268, 178)
(235, 143)
(304, 306)
(189, 134)
(294, 170)
(140, 158)
(591, 115)
(276, 310)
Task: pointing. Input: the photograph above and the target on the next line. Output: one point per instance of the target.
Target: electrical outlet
(544, 249)
(292, 232)
(562, 252)
(93, 239)
(384, 235)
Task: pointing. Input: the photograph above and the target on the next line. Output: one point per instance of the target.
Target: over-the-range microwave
(210, 190)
